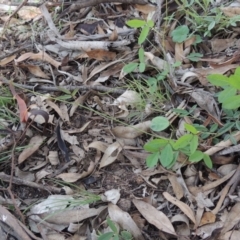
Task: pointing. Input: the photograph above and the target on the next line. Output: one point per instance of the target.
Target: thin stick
(6, 178)
(69, 88)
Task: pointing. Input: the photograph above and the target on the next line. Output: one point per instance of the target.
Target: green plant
(166, 151)
(114, 234)
(229, 97)
(145, 27)
(205, 18)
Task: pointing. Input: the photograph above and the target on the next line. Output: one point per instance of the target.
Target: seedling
(166, 151)
(114, 234)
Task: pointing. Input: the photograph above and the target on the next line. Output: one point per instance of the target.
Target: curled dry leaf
(73, 177)
(53, 158)
(98, 145)
(131, 131)
(7, 60)
(184, 207)
(56, 108)
(23, 112)
(77, 103)
(35, 70)
(156, 61)
(233, 218)
(128, 98)
(112, 196)
(33, 146)
(155, 217)
(206, 101)
(42, 56)
(72, 215)
(110, 154)
(124, 220)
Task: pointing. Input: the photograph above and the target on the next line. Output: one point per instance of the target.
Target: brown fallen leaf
(42, 56)
(110, 154)
(33, 146)
(184, 207)
(131, 131)
(155, 217)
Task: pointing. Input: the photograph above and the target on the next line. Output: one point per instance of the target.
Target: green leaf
(207, 160)
(213, 128)
(141, 54)
(225, 128)
(196, 156)
(200, 128)
(194, 144)
(136, 23)
(64, 97)
(142, 67)
(234, 81)
(143, 35)
(130, 67)
(182, 112)
(183, 141)
(177, 64)
(112, 225)
(232, 102)
(180, 34)
(159, 123)
(238, 125)
(115, 237)
(237, 72)
(126, 235)
(218, 80)
(152, 159)
(211, 25)
(106, 236)
(190, 128)
(155, 145)
(224, 95)
(150, 23)
(194, 57)
(166, 156)
(233, 139)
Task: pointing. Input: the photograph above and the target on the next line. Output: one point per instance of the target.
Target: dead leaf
(184, 207)
(73, 177)
(42, 56)
(110, 154)
(33, 146)
(101, 55)
(208, 217)
(124, 220)
(155, 217)
(23, 112)
(131, 131)
(7, 60)
(233, 218)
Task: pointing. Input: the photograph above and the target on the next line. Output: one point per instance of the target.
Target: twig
(222, 145)
(88, 3)
(17, 9)
(9, 188)
(6, 178)
(64, 89)
(233, 182)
